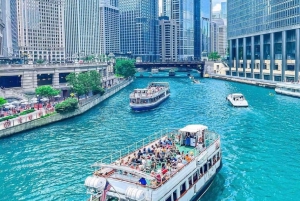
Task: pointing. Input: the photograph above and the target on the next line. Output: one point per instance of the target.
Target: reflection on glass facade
(193, 18)
(139, 28)
(264, 39)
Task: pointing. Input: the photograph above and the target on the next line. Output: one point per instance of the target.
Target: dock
(257, 82)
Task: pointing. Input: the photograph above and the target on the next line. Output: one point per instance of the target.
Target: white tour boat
(154, 71)
(237, 100)
(288, 89)
(150, 97)
(172, 165)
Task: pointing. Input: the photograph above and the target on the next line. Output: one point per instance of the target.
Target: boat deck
(154, 175)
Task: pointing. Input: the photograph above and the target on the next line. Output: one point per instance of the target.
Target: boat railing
(118, 155)
(140, 95)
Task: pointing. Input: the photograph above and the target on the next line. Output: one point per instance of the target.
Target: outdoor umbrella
(15, 103)
(10, 106)
(24, 103)
(34, 99)
(44, 99)
(57, 96)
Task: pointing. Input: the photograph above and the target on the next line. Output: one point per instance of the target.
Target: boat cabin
(192, 135)
(237, 97)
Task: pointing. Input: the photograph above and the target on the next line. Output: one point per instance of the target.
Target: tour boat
(237, 100)
(188, 162)
(150, 97)
(288, 89)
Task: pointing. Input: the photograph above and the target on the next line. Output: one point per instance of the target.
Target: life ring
(7, 124)
(30, 117)
(20, 120)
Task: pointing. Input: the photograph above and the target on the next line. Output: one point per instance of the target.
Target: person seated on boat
(140, 153)
(153, 174)
(182, 155)
(153, 164)
(149, 150)
(187, 158)
(144, 151)
(184, 161)
(123, 162)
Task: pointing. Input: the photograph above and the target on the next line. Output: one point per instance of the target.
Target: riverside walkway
(251, 81)
(36, 119)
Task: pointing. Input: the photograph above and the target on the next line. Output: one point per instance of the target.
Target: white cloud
(217, 7)
(214, 2)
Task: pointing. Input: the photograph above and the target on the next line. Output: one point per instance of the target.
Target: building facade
(223, 10)
(139, 29)
(193, 19)
(41, 30)
(219, 37)
(264, 39)
(10, 32)
(168, 30)
(92, 28)
(1, 29)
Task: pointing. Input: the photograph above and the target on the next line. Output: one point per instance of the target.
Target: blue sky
(217, 4)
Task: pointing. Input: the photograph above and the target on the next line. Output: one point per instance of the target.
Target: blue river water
(261, 144)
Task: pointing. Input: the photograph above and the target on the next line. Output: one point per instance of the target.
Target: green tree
(2, 101)
(125, 68)
(83, 83)
(214, 56)
(68, 105)
(46, 91)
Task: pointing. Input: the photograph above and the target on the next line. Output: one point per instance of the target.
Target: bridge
(192, 65)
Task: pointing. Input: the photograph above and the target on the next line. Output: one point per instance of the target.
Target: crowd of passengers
(162, 156)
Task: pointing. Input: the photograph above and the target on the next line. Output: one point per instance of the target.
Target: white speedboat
(150, 97)
(135, 173)
(154, 70)
(288, 89)
(237, 100)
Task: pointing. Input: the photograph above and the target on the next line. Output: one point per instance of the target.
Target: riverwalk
(36, 119)
(258, 82)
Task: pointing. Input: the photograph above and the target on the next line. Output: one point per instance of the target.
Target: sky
(216, 4)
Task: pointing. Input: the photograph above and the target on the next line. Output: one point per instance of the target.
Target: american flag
(107, 188)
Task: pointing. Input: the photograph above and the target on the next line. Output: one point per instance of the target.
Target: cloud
(217, 7)
(215, 2)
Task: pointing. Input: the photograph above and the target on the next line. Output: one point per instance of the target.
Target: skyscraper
(92, 28)
(193, 19)
(41, 29)
(139, 25)
(168, 31)
(264, 39)
(219, 37)
(1, 30)
(10, 32)
(223, 10)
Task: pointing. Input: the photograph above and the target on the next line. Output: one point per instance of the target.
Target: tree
(125, 68)
(214, 56)
(68, 105)
(83, 83)
(2, 101)
(47, 91)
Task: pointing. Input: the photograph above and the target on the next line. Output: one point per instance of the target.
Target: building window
(290, 67)
(182, 188)
(276, 67)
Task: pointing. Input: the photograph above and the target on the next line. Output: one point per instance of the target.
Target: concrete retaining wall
(84, 106)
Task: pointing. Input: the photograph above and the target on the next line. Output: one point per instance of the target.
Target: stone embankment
(251, 81)
(83, 107)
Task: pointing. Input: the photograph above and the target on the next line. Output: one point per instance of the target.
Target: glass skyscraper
(193, 19)
(264, 38)
(139, 28)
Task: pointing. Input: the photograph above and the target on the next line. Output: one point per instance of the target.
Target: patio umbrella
(34, 99)
(57, 96)
(44, 99)
(15, 103)
(5, 104)
(24, 103)
(10, 106)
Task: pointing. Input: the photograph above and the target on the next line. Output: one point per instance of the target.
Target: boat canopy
(193, 128)
(237, 95)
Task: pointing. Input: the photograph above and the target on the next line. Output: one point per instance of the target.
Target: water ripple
(261, 146)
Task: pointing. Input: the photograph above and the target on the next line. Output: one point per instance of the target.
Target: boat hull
(206, 186)
(148, 106)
